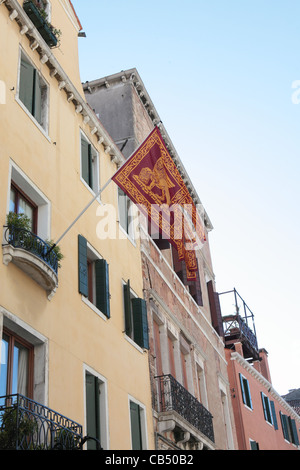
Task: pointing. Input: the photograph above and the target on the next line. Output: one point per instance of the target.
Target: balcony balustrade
(31, 254)
(28, 425)
(172, 396)
(238, 323)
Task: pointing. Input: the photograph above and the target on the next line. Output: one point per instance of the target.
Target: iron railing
(238, 319)
(172, 396)
(28, 425)
(21, 238)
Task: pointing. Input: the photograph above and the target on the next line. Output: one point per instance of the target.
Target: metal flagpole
(81, 213)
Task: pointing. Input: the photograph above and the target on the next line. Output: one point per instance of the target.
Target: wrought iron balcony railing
(174, 397)
(28, 425)
(21, 238)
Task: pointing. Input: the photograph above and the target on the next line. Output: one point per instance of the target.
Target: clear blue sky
(220, 74)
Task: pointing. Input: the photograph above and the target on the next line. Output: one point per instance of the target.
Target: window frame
(128, 214)
(19, 194)
(134, 327)
(102, 405)
(245, 390)
(142, 423)
(267, 410)
(43, 123)
(13, 338)
(93, 185)
(43, 206)
(87, 259)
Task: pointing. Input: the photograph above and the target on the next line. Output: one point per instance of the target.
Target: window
(254, 445)
(25, 197)
(136, 323)
(157, 346)
(194, 287)
(96, 410)
(93, 277)
(126, 213)
(89, 165)
(33, 91)
(138, 426)
(269, 412)
(245, 391)
(289, 429)
(92, 392)
(21, 204)
(16, 368)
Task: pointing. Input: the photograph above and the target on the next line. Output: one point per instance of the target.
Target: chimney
(264, 364)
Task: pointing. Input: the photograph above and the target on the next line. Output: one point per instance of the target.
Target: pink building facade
(263, 419)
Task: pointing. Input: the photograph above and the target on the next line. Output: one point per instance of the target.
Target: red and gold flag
(151, 180)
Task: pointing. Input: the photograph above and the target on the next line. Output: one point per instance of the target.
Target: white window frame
(17, 176)
(93, 255)
(40, 345)
(143, 418)
(96, 167)
(103, 405)
(130, 217)
(44, 127)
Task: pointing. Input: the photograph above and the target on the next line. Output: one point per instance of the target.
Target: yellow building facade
(64, 343)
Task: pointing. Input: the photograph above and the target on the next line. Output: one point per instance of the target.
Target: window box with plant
(39, 17)
(36, 257)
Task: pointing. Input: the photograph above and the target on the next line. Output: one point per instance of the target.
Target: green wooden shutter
(90, 160)
(102, 286)
(135, 421)
(82, 266)
(242, 388)
(294, 432)
(26, 94)
(284, 425)
(274, 415)
(85, 161)
(140, 322)
(266, 407)
(127, 307)
(92, 410)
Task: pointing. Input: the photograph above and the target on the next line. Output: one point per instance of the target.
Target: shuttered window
(89, 164)
(289, 429)
(266, 408)
(135, 422)
(254, 445)
(33, 91)
(136, 323)
(93, 278)
(245, 389)
(274, 415)
(92, 410)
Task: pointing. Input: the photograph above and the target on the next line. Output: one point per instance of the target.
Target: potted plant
(39, 16)
(16, 429)
(19, 226)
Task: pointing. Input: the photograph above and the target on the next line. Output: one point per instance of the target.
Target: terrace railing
(172, 396)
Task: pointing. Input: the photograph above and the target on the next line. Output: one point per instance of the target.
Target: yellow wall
(76, 335)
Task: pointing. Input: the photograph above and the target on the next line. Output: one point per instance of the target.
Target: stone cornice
(73, 96)
(264, 382)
